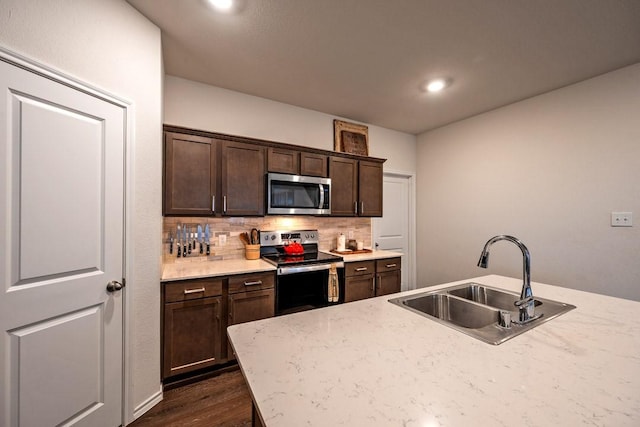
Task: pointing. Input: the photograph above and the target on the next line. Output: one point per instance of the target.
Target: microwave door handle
(321, 196)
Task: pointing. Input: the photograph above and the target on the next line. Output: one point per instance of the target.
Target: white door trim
(128, 106)
(411, 256)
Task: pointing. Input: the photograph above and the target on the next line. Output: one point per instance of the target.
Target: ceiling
(368, 60)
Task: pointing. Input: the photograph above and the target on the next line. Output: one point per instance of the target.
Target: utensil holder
(252, 251)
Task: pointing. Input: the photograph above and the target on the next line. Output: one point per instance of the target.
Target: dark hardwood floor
(222, 400)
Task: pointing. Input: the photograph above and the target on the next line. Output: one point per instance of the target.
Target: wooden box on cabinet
(192, 322)
(251, 297)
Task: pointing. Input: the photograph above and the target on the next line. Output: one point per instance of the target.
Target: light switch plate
(222, 240)
(621, 219)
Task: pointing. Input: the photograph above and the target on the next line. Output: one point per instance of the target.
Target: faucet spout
(526, 304)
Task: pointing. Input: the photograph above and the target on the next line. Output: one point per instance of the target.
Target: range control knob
(273, 237)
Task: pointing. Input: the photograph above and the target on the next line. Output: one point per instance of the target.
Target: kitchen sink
(477, 310)
(495, 298)
(454, 310)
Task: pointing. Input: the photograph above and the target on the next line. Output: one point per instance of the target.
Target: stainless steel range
(302, 270)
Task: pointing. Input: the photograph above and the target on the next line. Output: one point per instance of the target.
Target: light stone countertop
(373, 363)
(198, 270)
(202, 269)
(369, 256)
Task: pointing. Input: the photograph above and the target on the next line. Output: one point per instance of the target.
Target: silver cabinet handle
(362, 269)
(224, 204)
(361, 208)
(257, 282)
(391, 265)
(193, 291)
(213, 203)
(355, 207)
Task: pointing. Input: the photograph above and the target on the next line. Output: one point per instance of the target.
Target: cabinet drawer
(192, 289)
(359, 268)
(388, 264)
(251, 282)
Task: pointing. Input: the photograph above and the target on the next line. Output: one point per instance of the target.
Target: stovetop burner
(281, 259)
(274, 242)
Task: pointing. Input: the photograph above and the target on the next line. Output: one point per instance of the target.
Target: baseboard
(152, 401)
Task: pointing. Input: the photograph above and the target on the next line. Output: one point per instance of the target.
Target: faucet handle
(523, 301)
(504, 319)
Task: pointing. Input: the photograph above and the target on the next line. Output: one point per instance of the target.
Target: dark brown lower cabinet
(251, 297)
(388, 276)
(191, 335)
(196, 314)
(367, 279)
(359, 280)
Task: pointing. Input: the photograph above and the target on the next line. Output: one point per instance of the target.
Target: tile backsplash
(328, 230)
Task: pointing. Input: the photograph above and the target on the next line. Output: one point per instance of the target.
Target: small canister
(342, 242)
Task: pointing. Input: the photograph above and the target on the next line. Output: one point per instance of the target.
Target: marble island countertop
(372, 363)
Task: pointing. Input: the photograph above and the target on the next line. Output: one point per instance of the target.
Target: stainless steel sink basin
(495, 298)
(454, 310)
(474, 309)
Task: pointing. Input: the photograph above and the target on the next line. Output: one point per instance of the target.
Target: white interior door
(61, 234)
(392, 232)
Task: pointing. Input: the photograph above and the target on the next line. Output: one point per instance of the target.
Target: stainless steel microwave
(298, 195)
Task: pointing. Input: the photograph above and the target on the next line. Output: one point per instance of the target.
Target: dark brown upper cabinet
(356, 187)
(296, 162)
(213, 174)
(242, 179)
(190, 174)
(209, 176)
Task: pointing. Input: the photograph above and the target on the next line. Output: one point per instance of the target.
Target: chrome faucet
(526, 303)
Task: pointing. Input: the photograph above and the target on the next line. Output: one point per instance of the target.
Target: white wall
(199, 106)
(548, 170)
(108, 44)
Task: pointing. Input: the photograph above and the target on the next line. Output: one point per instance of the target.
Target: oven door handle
(283, 271)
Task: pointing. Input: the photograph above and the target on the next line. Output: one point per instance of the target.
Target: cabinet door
(388, 282)
(249, 306)
(283, 161)
(189, 174)
(370, 188)
(243, 174)
(359, 287)
(191, 336)
(312, 164)
(344, 190)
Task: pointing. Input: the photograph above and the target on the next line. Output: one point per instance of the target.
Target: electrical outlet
(621, 219)
(222, 240)
(351, 234)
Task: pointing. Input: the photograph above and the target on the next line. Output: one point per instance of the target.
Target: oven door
(298, 195)
(305, 290)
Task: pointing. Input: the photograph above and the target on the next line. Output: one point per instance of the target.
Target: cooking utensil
(200, 237)
(255, 239)
(170, 243)
(245, 238)
(206, 237)
(179, 239)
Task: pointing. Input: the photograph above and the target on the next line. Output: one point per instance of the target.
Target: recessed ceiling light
(222, 4)
(436, 85)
